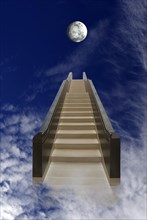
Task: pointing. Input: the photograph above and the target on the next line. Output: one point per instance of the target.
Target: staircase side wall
(110, 149)
(41, 147)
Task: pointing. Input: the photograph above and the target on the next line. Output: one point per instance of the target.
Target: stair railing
(40, 161)
(110, 150)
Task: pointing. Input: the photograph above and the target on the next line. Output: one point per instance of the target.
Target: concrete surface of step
(83, 100)
(75, 104)
(76, 152)
(77, 86)
(83, 179)
(76, 155)
(65, 173)
(81, 143)
(76, 169)
(75, 113)
(77, 125)
(78, 143)
(77, 89)
(77, 97)
(75, 109)
(76, 119)
(77, 94)
(75, 133)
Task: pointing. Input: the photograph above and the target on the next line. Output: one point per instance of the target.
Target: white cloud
(22, 200)
(14, 119)
(28, 201)
(135, 19)
(28, 123)
(9, 108)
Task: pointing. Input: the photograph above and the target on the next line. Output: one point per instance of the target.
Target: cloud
(124, 48)
(134, 17)
(23, 200)
(9, 108)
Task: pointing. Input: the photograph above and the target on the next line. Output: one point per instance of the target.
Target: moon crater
(77, 31)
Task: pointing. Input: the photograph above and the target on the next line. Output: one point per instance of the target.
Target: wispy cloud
(78, 59)
(75, 61)
(134, 17)
(23, 200)
(9, 107)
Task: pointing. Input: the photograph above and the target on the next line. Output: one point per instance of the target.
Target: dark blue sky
(33, 37)
(36, 54)
(35, 57)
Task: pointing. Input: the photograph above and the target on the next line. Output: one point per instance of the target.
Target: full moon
(77, 31)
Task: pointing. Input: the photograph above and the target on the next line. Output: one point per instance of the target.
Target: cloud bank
(23, 200)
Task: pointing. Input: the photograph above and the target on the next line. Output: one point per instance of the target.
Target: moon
(77, 31)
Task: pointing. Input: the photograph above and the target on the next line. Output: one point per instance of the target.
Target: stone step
(72, 181)
(76, 113)
(88, 180)
(75, 143)
(76, 109)
(76, 81)
(77, 89)
(79, 85)
(77, 95)
(76, 155)
(61, 169)
(79, 104)
(77, 98)
(79, 143)
(63, 133)
(76, 119)
(74, 133)
(74, 100)
(77, 125)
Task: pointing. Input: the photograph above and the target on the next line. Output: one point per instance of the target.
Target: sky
(35, 57)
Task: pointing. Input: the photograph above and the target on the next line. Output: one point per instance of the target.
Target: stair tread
(76, 112)
(76, 153)
(76, 107)
(78, 181)
(76, 123)
(85, 103)
(74, 132)
(81, 103)
(72, 170)
(76, 117)
(87, 98)
(77, 93)
(81, 95)
(76, 141)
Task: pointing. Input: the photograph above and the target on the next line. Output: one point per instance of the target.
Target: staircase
(76, 159)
